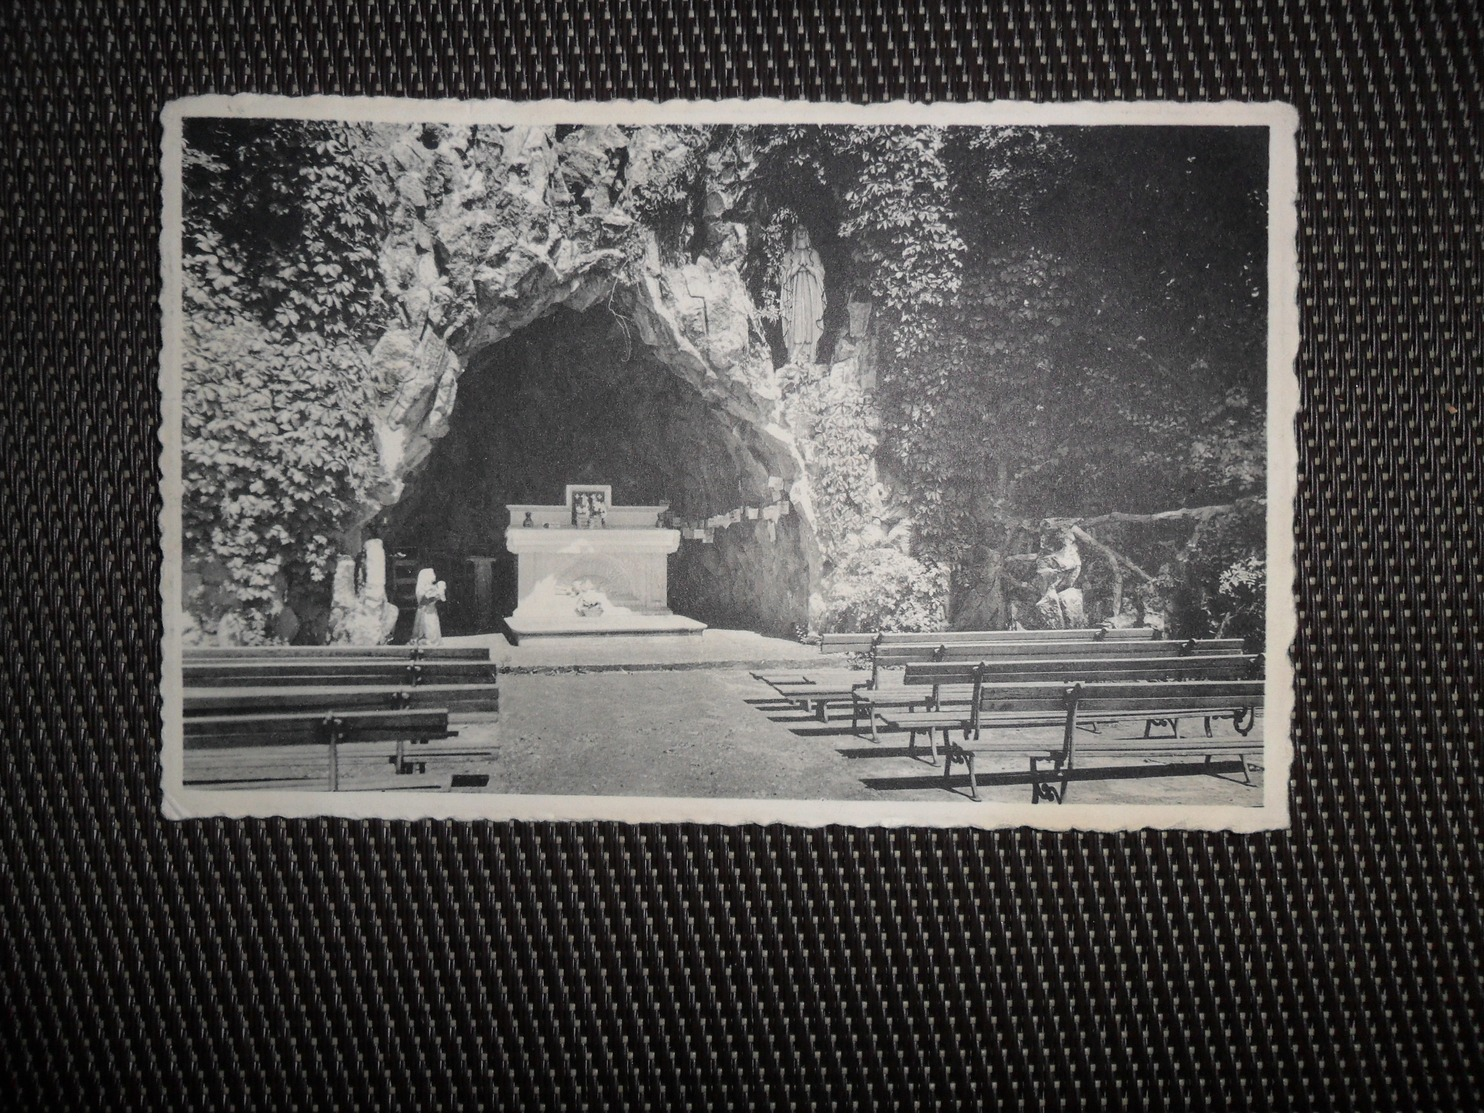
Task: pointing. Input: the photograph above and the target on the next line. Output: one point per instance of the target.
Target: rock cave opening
(576, 398)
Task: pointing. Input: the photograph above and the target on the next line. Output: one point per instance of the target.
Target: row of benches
(1007, 657)
(263, 698)
(1072, 682)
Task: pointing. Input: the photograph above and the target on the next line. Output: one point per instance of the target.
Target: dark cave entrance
(575, 397)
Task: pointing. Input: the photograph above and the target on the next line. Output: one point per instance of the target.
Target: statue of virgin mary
(801, 299)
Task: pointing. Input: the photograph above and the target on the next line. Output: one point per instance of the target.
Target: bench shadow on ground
(803, 723)
(928, 782)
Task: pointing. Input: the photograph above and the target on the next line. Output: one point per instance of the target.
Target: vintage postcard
(732, 462)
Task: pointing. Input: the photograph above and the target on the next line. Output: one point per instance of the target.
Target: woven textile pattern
(277, 963)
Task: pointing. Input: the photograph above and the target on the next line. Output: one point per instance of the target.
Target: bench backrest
(1143, 697)
(195, 654)
(1195, 666)
(263, 700)
(900, 655)
(1043, 636)
(948, 673)
(336, 672)
(314, 727)
(1140, 698)
(865, 641)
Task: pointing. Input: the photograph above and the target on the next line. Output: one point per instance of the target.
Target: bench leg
(932, 746)
(1242, 760)
(334, 762)
(403, 766)
(952, 752)
(875, 734)
(1043, 789)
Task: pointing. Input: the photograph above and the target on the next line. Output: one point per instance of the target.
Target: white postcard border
(180, 803)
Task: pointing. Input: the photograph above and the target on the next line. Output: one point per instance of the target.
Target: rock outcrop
(494, 229)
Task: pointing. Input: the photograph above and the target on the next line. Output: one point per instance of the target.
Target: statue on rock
(801, 299)
(426, 628)
(1060, 604)
(361, 614)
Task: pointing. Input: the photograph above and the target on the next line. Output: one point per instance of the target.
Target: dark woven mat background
(324, 962)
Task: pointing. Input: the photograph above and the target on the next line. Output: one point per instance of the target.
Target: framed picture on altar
(584, 502)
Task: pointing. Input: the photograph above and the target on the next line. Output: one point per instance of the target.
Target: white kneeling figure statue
(426, 628)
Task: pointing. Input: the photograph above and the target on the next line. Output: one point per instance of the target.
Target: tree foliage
(282, 224)
(1072, 319)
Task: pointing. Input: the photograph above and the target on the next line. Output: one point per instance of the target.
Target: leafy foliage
(282, 226)
(1071, 319)
(283, 221)
(1218, 586)
(883, 589)
(832, 418)
(276, 452)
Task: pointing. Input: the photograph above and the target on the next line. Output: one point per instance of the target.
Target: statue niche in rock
(1060, 604)
(801, 299)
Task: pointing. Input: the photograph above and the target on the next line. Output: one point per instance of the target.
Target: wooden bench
(1105, 702)
(330, 728)
(946, 679)
(889, 656)
(1177, 668)
(892, 649)
(1078, 709)
(1022, 693)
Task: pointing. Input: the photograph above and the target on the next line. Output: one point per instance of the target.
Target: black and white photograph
(729, 462)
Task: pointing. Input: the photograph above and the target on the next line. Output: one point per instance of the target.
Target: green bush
(1221, 587)
(884, 590)
(277, 453)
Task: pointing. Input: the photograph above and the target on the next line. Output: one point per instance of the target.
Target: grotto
(578, 397)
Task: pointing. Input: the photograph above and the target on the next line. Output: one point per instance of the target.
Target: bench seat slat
(277, 729)
(226, 700)
(1170, 746)
(896, 695)
(346, 672)
(842, 691)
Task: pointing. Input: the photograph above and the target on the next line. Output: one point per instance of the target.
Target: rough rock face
(495, 231)
(745, 578)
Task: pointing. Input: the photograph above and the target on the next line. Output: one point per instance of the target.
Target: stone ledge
(671, 624)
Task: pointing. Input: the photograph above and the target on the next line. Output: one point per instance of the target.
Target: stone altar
(608, 578)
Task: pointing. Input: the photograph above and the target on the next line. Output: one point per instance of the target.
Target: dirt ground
(719, 733)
